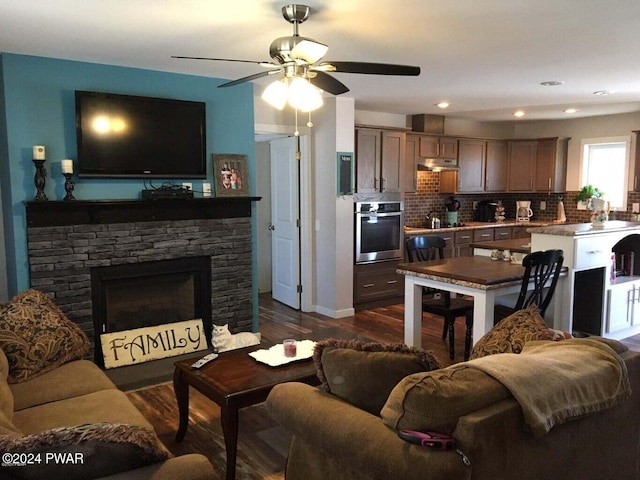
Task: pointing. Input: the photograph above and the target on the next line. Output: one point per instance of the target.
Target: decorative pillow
(512, 332)
(85, 451)
(37, 337)
(364, 374)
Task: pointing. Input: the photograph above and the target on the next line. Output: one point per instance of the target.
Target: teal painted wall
(38, 108)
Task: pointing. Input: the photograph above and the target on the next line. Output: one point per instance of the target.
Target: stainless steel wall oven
(379, 231)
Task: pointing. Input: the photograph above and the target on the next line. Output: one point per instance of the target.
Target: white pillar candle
(38, 152)
(67, 166)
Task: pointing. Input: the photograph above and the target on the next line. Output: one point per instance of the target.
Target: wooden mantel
(92, 212)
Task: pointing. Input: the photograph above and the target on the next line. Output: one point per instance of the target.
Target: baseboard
(346, 312)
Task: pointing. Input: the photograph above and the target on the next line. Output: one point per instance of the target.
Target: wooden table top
(474, 270)
(235, 374)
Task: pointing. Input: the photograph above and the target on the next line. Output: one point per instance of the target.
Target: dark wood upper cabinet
(471, 160)
(522, 165)
(497, 166)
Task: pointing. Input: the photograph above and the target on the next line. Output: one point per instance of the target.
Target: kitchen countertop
(476, 225)
(517, 245)
(583, 229)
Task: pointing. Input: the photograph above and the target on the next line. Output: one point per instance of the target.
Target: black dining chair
(420, 249)
(542, 268)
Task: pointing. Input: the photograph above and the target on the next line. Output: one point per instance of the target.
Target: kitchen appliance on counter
(523, 211)
(379, 231)
(486, 211)
(452, 207)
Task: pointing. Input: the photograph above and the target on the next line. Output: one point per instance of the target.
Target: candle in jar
(290, 349)
(67, 166)
(38, 152)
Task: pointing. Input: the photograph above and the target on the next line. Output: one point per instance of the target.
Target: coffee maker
(523, 211)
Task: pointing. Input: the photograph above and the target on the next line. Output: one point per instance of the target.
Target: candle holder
(40, 179)
(68, 186)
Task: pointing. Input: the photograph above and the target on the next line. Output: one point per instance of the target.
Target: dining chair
(438, 302)
(543, 269)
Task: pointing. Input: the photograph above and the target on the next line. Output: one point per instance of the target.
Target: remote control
(204, 360)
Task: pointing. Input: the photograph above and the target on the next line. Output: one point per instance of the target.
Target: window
(605, 162)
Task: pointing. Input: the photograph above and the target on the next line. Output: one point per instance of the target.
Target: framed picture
(231, 174)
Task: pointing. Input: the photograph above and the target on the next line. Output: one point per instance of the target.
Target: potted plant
(587, 193)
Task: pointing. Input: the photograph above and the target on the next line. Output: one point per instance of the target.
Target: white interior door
(285, 224)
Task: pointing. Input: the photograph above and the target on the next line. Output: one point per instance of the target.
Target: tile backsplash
(428, 197)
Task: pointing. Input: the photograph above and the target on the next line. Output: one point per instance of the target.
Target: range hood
(437, 164)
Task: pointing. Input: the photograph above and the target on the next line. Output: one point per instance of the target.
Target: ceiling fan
(300, 58)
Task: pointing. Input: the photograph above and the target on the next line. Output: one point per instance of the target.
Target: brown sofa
(79, 393)
(333, 438)
(61, 416)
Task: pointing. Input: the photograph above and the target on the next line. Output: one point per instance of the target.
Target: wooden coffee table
(234, 380)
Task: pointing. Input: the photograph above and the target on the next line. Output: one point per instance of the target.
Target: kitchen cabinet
(438, 147)
(551, 165)
(519, 232)
(377, 281)
(502, 233)
(462, 241)
(410, 175)
(497, 166)
(636, 157)
(471, 160)
(522, 165)
(380, 160)
(623, 305)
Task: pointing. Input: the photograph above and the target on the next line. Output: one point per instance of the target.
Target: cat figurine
(222, 339)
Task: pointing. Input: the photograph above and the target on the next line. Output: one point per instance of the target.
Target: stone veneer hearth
(66, 239)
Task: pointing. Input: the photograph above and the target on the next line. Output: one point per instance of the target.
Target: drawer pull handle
(485, 235)
(368, 285)
(391, 282)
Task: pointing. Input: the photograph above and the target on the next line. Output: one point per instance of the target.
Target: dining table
(479, 277)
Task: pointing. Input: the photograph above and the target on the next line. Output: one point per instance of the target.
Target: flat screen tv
(129, 136)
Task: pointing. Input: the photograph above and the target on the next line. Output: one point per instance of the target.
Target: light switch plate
(635, 208)
(543, 205)
(206, 189)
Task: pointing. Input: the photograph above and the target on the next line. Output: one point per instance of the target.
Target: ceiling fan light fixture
(303, 96)
(308, 50)
(276, 94)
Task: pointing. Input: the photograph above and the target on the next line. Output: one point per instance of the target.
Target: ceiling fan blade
(370, 68)
(326, 82)
(264, 64)
(249, 78)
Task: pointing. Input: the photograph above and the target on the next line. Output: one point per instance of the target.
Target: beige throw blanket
(555, 381)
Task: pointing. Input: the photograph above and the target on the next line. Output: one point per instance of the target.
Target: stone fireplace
(74, 245)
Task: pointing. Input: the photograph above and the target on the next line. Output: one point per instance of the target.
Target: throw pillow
(364, 374)
(37, 337)
(85, 451)
(511, 333)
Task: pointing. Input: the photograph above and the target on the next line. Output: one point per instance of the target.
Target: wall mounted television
(125, 136)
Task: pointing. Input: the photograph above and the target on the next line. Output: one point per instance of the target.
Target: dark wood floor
(263, 444)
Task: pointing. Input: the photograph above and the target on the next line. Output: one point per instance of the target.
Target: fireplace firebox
(130, 296)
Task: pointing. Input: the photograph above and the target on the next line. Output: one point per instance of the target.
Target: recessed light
(602, 93)
(442, 105)
(518, 114)
(551, 83)
(570, 110)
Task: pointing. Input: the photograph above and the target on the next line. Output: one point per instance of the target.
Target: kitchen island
(595, 298)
